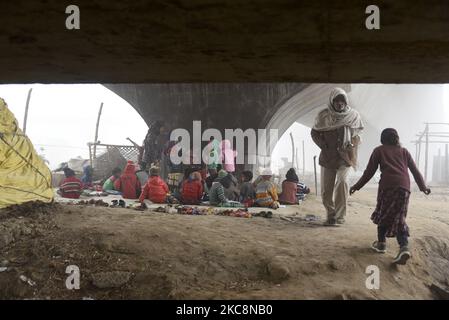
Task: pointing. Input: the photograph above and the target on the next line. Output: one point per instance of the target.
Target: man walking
(336, 132)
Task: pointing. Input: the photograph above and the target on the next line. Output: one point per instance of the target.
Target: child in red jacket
(128, 183)
(156, 190)
(192, 189)
(71, 187)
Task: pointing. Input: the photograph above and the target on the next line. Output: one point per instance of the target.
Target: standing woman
(393, 193)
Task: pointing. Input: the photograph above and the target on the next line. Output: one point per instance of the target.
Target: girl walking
(393, 193)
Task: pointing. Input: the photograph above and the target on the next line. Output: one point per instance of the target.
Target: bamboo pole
(25, 119)
(297, 159)
(293, 149)
(96, 131)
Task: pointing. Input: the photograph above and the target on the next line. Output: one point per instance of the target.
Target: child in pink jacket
(228, 156)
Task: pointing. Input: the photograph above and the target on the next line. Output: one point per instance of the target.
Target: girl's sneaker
(380, 247)
(403, 255)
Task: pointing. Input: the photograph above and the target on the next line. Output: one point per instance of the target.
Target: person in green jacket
(109, 183)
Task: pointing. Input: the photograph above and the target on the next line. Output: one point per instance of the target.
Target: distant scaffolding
(105, 157)
(440, 172)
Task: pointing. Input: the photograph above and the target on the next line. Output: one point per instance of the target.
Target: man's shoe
(330, 223)
(341, 221)
(403, 255)
(380, 247)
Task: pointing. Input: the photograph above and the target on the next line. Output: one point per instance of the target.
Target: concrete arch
(303, 106)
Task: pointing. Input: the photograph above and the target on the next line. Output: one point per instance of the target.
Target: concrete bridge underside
(160, 41)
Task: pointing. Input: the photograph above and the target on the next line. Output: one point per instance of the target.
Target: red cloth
(192, 191)
(155, 190)
(71, 187)
(394, 162)
(289, 190)
(128, 183)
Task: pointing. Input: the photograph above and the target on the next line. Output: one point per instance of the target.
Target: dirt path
(123, 253)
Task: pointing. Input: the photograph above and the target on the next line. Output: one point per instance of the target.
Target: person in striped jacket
(266, 193)
(71, 187)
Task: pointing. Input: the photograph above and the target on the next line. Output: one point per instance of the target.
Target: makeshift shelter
(23, 174)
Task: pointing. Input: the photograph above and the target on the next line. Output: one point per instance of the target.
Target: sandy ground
(127, 254)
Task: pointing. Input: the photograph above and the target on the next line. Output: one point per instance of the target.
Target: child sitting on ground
(108, 185)
(156, 190)
(217, 195)
(247, 192)
(231, 189)
(394, 192)
(192, 189)
(178, 191)
(292, 190)
(216, 191)
(71, 187)
(128, 183)
(86, 179)
(266, 193)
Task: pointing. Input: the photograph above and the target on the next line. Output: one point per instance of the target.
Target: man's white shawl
(329, 119)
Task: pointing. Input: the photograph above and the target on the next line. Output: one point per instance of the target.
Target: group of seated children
(220, 188)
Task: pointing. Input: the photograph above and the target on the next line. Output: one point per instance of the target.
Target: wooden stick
(96, 131)
(293, 149)
(26, 111)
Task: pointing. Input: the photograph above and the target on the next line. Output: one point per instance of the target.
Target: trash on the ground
(97, 203)
(138, 206)
(287, 219)
(312, 217)
(264, 214)
(240, 213)
(27, 280)
(3, 269)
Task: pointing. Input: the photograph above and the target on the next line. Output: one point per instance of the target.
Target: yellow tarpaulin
(24, 176)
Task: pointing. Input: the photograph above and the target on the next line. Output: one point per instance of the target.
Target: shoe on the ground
(341, 221)
(403, 255)
(330, 222)
(380, 247)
